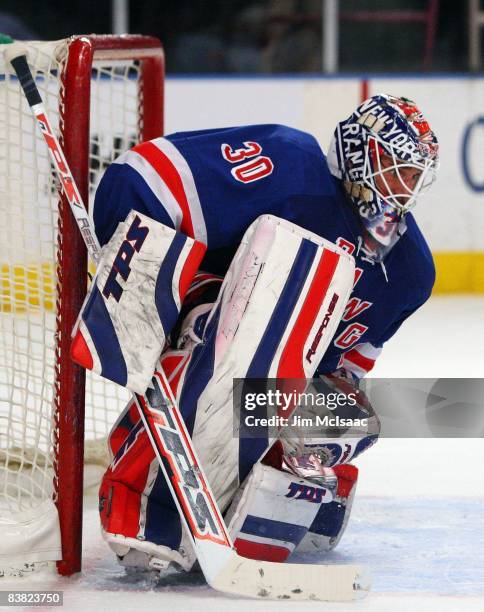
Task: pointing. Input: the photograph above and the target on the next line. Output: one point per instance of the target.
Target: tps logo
(310, 494)
(133, 242)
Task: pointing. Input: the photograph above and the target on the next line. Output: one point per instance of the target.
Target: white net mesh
(28, 210)
(114, 128)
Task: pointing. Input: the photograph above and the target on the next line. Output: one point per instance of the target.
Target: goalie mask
(386, 155)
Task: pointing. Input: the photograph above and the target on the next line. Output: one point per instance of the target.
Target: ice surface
(444, 339)
(418, 518)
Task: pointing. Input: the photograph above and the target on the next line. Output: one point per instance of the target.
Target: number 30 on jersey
(255, 168)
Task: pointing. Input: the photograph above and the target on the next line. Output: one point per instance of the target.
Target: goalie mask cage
(103, 94)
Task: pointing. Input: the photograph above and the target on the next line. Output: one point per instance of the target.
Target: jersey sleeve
(360, 359)
(395, 326)
(419, 279)
(121, 190)
(154, 179)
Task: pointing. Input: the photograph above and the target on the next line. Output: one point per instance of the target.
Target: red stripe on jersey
(360, 360)
(168, 172)
(291, 363)
(261, 552)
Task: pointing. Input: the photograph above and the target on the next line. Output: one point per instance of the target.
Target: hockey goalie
(246, 253)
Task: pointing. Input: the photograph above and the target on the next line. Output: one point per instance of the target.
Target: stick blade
(265, 580)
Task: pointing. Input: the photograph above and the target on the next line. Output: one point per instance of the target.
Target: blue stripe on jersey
(165, 303)
(121, 190)
(276, 530)
(251, 449)
(101, 330)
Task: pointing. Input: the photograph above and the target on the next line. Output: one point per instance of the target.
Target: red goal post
(76, 81)
(109, 93)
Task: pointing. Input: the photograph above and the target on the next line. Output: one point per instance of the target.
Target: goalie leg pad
(136, 508)
(145, 521)
(138, 517)
(277, 310)
(135, 300)
(272, 511)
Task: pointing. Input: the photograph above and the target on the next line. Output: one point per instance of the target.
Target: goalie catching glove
(307, 448)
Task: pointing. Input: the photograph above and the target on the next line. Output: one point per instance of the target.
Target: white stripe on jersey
(368, 350)
(155, 183)
(189, 186)
(354, 369)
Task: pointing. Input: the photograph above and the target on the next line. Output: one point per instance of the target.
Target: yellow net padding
(27, 288)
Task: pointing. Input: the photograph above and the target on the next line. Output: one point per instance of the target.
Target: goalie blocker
(135, 299)
(268, 320)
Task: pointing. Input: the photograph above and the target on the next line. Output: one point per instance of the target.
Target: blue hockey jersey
(212, 184)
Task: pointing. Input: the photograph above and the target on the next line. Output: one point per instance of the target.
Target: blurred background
(272, 36)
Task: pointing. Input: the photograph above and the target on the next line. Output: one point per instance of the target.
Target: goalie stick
(223, 568)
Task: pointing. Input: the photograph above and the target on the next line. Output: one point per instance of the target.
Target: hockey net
(103, 94)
